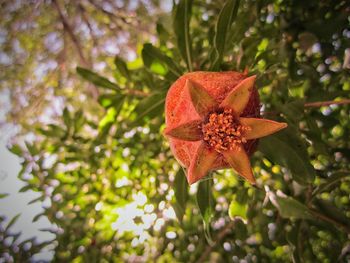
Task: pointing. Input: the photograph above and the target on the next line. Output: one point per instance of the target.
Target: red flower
(212, 122)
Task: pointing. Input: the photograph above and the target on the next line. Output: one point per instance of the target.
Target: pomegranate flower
(210, 124)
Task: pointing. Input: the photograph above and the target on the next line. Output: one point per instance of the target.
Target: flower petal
(261, 127)
(238, 98)
(238, 160)
(201, 100)
(188, 132)
(201, 163)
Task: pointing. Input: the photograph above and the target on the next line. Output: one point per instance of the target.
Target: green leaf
(122, 67)
(237, 209)
(108, 118)
(152, 55)
(31, 148)
(12, 222)
(289, 207)
(158, 68)
(293, 111)
(44, 244)
(181, 194)
(25, 188)
(79, 120)
(182, 30)
(114, 105)
(66, 118)
(331, 183)
(97, 79)
(52, 231)
(108, 100)
(293, 238)
(287, 149)
(40, 198)
(16, 149)
(37, 217)
(314, 134)
(15, 237)
(331, 211)
(52, 130)
(163, 34)
(29, 240)
(240, 229)
(149, 107)
(205, 204)
(3, 195)
(227, 16)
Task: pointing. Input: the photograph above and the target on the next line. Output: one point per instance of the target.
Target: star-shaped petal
(201, 100)
(201, 163)
(238, 98)
(221, 130)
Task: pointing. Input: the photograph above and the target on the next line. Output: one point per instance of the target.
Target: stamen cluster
(222, 131)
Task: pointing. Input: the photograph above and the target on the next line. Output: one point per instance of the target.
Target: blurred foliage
(13, 250)
(116, 191)
(42, 42)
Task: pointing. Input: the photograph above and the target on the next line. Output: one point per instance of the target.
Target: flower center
(222, 131)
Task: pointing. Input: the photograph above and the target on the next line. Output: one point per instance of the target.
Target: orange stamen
(222, 131)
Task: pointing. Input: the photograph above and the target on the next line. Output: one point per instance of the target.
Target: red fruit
(212, 123)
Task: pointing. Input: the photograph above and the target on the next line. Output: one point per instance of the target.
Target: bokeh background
(86, 174)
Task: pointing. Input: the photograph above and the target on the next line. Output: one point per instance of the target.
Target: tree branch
(85, 18)
(326, 103)
(137, 93)
(316, 104)
(329, 220)
(121, 17)
(111, 16)
(221, 235)
(68, 28)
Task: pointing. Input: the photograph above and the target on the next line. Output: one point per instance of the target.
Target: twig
(329, 220)
(326, 103)
(226, 230)
(316, 104)
(137, 93)
(121, 17)
(112, 16)
(85, 18)
(68, 28)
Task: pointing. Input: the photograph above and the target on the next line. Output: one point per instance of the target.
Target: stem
(326, 103)
(329, 220)
(68, 28)
(85, 18)
(137, 93)
(316, 104)
(226, 230)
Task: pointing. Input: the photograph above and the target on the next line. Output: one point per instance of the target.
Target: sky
(16, 202)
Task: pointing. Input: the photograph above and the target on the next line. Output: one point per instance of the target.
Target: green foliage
(226, 17)
(181, 194)
(11, 246)
(205, 204)
(97, 79)
(118, 193)
(151, 56)
(291, 208)
(181, 25)
(287, 149)
(237, 209)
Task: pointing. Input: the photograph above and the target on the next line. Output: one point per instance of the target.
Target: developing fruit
(213, 122)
